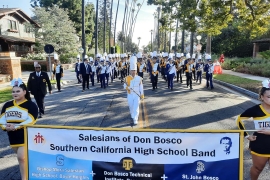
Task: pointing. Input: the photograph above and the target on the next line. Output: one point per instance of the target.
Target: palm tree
(139, 39)
(115, 21)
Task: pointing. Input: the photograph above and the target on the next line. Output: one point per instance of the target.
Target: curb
(238, 89)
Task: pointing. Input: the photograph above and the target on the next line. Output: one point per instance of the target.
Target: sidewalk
(241, 90)
(248, 76)
(68, 77)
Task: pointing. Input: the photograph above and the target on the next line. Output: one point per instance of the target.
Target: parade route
(182, 108)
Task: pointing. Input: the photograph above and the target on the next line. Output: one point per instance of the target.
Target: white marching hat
(154, 54)
(91, 59)
(182, 54)
(188, 56)
(98, 55)
(122, 55)
(193, 56)
(85, 57)
(105, 54)
(178, 55)
(165, 54)
(55, 56)
(200, 57)
(208, 57)
(78, 56)
(133, 63)
(266, 83)
(139, 55)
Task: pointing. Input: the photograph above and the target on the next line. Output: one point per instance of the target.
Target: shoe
(88, 88)
(39, 115)
(59, 91)
(82, 90)
(191, 88)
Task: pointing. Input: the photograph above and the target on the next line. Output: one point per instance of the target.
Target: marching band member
(141, 65)
(162, 65)
(77, 69)
(102, 73)
(199, 69)
(112, 67)
(194, 65)
(108, 71)
(97, 61)
(153, 70)
(122, 66)
(179, 67)
(58, 71)
(93, 67)
(188, 69)
(171, 71)
(133, 85)
(209, 69)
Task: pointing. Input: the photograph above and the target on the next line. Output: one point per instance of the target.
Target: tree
(56, 29)
(74, 9)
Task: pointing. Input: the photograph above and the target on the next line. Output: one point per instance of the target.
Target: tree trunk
(191, 43)
(110, 27)
(115, 22)
(208, 45)
(183, 41)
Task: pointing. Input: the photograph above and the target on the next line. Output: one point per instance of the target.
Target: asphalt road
(181, 108)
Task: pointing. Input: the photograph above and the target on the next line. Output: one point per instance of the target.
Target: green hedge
(30, 67)
(258, 67)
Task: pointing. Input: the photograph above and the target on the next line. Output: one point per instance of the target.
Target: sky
(144, 23)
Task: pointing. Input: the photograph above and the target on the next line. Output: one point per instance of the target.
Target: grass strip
(5, 95)
(249, 84)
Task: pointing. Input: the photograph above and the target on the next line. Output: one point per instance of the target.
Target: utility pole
(83, 29)
(96, 38)
(110, 28)
(104, 27)
(158, 9)
(151, 40)
(115, 23)
(175, 41)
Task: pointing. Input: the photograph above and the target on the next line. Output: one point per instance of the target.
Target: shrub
(68, 58)
(38, 56)
(265, 54)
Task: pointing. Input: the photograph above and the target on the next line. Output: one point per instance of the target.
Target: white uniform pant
(134, 104)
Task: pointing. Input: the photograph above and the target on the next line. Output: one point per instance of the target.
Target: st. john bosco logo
(39, 139)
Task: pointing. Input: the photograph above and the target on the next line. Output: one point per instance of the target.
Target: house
(15, 31)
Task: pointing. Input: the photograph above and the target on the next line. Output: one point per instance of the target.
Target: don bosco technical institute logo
(39, 139)
(127, 163)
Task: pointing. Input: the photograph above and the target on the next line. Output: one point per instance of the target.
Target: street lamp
(83, 25)
(199, 38)
(199, 46)
(81, 51)
(151, 40)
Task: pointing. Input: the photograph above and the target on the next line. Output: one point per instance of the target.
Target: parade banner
(117, 154)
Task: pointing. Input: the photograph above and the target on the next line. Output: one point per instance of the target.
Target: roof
(265, 40)
(18, 12)
(17, 39)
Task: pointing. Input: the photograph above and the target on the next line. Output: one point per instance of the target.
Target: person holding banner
(133, 85)
(14, 115)
(259, 142)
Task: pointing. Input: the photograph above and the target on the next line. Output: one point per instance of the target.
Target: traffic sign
(48, 48)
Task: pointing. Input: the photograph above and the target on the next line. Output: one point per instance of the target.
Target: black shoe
(39, 115)
(83, 90)
(88, 88)
(59, 91)
(191, 88)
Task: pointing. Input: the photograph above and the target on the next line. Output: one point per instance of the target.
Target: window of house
(12, 24)
(26, 29)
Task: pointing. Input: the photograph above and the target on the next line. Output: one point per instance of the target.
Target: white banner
(99, 154)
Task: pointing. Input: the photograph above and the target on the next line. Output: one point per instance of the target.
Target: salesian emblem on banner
(200, 167)
(39, 139)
